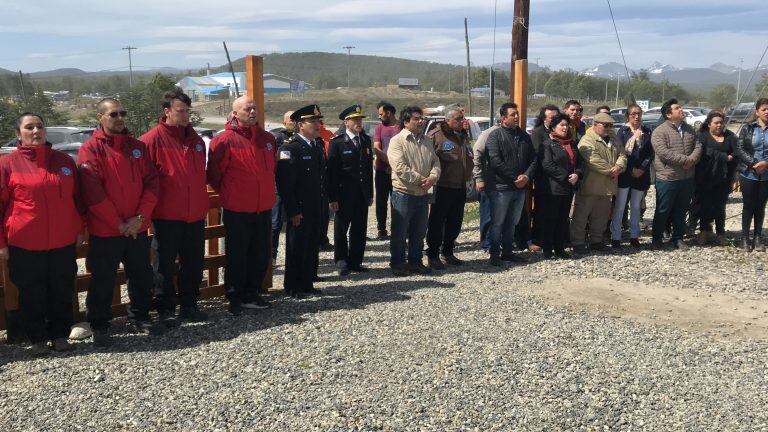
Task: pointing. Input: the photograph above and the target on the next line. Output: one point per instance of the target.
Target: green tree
(722, 96)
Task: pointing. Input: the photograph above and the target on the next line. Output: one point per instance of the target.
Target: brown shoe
(534, 247)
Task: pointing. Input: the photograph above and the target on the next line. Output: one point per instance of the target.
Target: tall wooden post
(254, 75)
(518, 78)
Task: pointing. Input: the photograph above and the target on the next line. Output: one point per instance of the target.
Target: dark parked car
(743, 112)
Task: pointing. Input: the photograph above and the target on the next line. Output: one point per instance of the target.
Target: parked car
(703, 110)
(482, 122)
(58, 136)
(743, 112)
(694, 117)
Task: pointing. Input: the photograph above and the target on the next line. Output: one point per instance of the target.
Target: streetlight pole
(536, 78)
(130, 65)
(349, 49)
(738, 83)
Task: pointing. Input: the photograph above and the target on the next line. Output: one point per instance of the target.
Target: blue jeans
(672, 201)
(485, 220)
(410, 214)
(506, 208)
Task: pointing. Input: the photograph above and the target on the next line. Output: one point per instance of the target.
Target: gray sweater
(479, 151)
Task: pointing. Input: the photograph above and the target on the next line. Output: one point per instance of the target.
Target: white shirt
(352, 137)
(310, 143)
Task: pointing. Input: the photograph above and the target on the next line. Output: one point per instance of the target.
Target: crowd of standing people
(564, 185)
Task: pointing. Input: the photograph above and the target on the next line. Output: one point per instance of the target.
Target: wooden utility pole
(254, 75)
(130, 65)
(469, 86)
(518, 77)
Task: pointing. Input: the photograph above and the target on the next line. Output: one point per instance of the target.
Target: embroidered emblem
(307, 157)
(347, 151)
(269, 146)
(136, 153)
(285, 154)
(66, 171)
(447, 146)
(199, 148)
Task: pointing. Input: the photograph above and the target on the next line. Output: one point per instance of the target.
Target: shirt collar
(350, 134)
(306, 140)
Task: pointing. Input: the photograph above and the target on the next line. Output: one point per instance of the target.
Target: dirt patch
(719, 315)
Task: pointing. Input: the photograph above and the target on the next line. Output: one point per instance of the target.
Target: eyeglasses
(115, 114)
(608, 125)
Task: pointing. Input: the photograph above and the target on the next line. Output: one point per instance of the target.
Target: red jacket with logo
(118, 181)
(241, 168)
(179, 157)
(39, 199)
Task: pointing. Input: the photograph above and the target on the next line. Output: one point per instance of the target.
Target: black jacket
(641, 157)
(745, 151)
(714, 169)
(508, 154)
(555, 167)
(301, 177)
(350, 170)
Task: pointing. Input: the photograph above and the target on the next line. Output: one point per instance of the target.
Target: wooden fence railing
(214, 262)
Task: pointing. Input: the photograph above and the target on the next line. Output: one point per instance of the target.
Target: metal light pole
(349, 49)
(738, 83)
(130, 65)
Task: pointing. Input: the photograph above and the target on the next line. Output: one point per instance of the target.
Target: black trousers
(302, 249)
(46, 283)
(351, 218)
(187, 241)
(713, 199)
(325, 221)
(552, 214)
(383, 184)
(754, 195)
(104, 257)
(246, 246)
(445, 217)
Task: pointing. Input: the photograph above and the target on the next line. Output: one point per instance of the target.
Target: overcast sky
(50, 34)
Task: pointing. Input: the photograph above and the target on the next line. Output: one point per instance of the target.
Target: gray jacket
(673, 150)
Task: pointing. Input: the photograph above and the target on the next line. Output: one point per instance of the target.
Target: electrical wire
(618, 39)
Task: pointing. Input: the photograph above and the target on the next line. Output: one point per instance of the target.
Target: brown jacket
(673, 150)
(455, 156)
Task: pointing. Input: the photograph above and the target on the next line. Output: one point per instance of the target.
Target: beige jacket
(412, 160)
(600, 157)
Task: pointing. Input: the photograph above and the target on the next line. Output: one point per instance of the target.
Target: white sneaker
(81, 331)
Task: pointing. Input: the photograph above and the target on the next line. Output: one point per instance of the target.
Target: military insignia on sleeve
(136, 153)
(199, 148)
(447, 146)
(66, 171)
(285, 154)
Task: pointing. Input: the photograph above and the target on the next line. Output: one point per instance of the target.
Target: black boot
(745, 244)
(758, 245)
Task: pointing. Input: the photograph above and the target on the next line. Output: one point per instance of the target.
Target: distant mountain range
(308, 66)
(701, 79)
(74, 72)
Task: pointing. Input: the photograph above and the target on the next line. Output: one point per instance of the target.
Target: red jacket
(241, 168)
(179, 157)
(118, 181)
(39, 199)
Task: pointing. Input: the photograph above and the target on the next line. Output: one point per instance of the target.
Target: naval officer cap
(355, 111)
(309, 112)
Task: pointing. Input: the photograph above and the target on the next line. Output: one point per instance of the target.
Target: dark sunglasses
(114, 114)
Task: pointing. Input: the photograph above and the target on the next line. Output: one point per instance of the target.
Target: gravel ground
(469, 349)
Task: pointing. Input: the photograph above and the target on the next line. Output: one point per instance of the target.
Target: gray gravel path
(461, 350)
